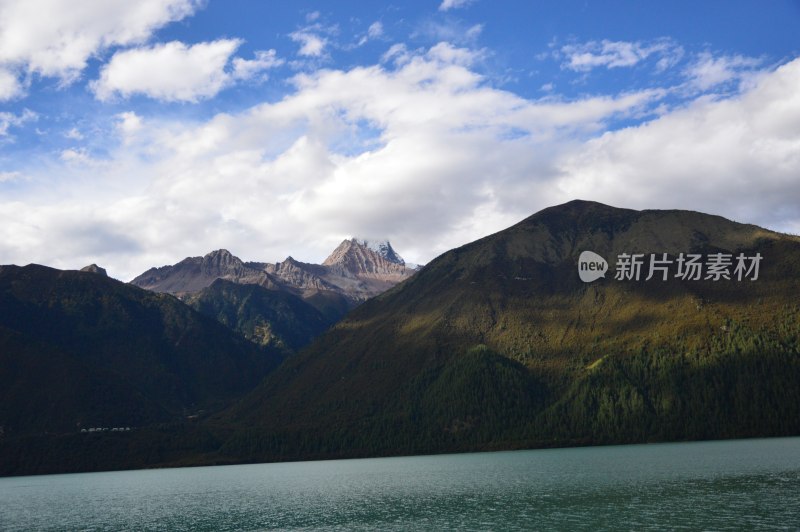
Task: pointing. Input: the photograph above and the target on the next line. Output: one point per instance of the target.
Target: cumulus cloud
(394, 151)
(739, 157)
(423, 150)
(56, 38)
(171, 72)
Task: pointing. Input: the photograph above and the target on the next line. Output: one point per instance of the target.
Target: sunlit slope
(500, 344)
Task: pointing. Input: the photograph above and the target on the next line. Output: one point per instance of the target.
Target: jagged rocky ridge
(356, 270)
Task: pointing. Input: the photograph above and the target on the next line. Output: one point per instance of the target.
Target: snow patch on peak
(380, 246)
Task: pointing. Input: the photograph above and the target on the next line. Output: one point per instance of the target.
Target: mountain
(499, 344)
(192, 274)
(354, 272)
(382, 248)
(81, 350)
(540, 335)
(94, 268)
(264, 316)
(365, 269)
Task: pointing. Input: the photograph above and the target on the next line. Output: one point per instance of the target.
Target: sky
(134, 134)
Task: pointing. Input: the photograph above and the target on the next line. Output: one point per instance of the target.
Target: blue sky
(134, 134)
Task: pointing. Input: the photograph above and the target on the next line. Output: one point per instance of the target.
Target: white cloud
(8, 177)
(397, 53)
(708, 71)
(244, 69)
(447, 53)
(615, 54)
(423, 150)
(129, 122)
(169, 72)
(374, 31)
(451, 30)
(74, 134)
(10, 86)
(78, 156)
(56, 38)
(311, 43)
(349, 152)
(128, 125)
(739, 157)
(447, 5)
(9, 120)
(474, 31)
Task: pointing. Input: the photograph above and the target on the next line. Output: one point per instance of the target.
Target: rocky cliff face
(356, 271)
(363, 259)
(299, 275)
(192, 274)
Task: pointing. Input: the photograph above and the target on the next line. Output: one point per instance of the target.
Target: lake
(719, 485)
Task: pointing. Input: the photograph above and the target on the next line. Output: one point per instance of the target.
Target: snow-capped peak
(381, 247)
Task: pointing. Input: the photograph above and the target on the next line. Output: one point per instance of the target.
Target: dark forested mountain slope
(80, 350)
(499, 344)
(266, 317)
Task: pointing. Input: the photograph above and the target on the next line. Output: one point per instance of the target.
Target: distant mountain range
(285, 304)
(498, 344)
(356, 270)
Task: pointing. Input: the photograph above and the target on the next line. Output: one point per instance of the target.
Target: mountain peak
(367, 258)
(219, 253)
(221, 257)
(380, 246)
(355, 246)
(94, 268)
(356, 270)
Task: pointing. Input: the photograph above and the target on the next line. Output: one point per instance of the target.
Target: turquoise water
(724, 485)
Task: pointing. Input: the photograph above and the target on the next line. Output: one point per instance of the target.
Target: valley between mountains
(497, 344)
